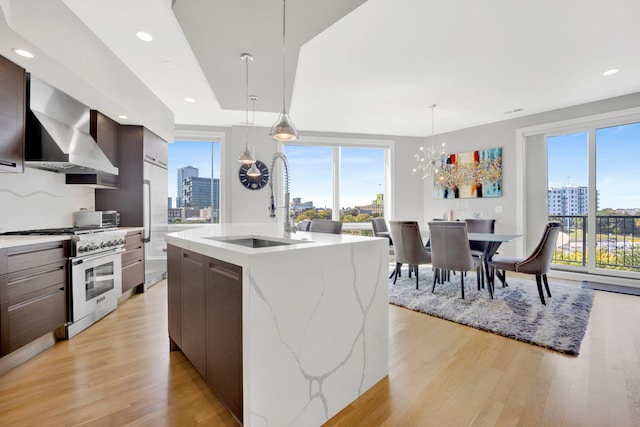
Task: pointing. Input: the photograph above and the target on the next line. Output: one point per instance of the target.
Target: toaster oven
(96, 219)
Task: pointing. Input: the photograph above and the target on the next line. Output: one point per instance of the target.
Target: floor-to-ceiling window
(194, 182)
(592, 176)
(339, 182)
(568, 195)
(311, 170)
(617, 177)
(361, 184)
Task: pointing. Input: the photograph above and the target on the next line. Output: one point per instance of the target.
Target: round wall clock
(254, 182)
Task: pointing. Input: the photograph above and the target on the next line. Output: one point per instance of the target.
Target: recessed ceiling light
(146, 37)
(122, 116)
(24, 53)
(189, 100)
(610, 72)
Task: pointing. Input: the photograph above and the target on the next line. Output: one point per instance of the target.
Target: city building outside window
(194, 182)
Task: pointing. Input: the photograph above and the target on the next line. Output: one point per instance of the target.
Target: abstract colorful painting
(470, 175)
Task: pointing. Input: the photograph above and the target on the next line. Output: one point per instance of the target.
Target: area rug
(515, 312)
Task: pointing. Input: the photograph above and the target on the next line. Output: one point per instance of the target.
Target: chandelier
(431, 161)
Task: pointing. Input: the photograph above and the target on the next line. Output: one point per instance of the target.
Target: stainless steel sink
(256, 242)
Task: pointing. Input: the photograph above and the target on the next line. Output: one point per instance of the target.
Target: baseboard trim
(611, 288)
(26, 352)
(579, 276)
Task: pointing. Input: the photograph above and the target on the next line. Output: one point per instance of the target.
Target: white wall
(40, 199)
(248, 205)
(536, 213)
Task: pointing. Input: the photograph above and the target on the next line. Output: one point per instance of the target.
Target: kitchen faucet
(288, 224)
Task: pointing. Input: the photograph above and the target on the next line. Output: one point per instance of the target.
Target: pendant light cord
(284, 6)
(246, 121)
(253, 99)
(433, 106)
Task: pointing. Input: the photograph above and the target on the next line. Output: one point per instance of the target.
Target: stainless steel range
(95, 276)
(95, 273)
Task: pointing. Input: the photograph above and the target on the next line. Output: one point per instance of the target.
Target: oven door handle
(98, 256)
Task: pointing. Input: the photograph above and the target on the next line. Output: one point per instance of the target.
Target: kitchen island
(286, 331)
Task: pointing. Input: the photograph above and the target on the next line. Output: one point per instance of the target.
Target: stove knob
(103, 245)
(81, 249)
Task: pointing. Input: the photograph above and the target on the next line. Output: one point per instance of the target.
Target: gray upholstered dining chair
(450, 250)
(325, 226)
(478, 249)
(303, 225)
(538, 262)
(480, 225)
(408, 247)
(379, 226)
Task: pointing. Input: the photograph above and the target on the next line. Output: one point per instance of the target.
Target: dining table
(493, 241)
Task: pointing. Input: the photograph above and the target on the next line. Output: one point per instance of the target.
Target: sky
(361, 174)
(617, 171)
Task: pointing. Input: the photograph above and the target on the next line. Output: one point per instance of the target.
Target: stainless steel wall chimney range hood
(57, 135)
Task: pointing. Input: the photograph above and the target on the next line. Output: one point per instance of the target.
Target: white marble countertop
(11, 241)
(127, 229)
(203, 240)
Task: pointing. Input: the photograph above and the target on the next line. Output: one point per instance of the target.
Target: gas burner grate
(57, 231)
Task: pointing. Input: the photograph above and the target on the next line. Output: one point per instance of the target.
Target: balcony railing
(617, 241)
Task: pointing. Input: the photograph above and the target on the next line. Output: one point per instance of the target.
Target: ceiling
(372, 67)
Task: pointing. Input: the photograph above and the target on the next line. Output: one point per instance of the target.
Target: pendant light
(283, 129)
(253, 170)
(431, 161)
(247, 158)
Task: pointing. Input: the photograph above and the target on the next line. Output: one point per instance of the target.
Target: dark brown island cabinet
(33, 293)
(133, 262)
(13, 89)
(205, 321)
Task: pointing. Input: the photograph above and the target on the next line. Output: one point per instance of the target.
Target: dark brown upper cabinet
(12, 116)
(137, 146)
(106, 132)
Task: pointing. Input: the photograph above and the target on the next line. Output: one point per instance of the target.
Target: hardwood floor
(120, 372)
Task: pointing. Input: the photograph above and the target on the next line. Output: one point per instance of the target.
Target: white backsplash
(40, 199)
